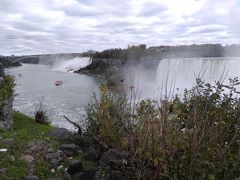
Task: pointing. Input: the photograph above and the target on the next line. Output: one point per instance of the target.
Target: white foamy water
(71, 65)
(182, 73)
(174, 75)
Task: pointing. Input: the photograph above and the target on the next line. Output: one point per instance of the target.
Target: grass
(25, 130)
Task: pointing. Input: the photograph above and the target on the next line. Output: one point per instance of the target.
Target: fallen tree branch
(75, 124)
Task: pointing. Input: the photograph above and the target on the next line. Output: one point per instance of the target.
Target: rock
(1, 74)
(92, 154)
(98, 174)
(60, 167)
(74, 167)
(76, 176)
(27, 157)
(3, 170)
(6, 114)
(1, 81)
(113, 158)
(115, 175)
(1, 70)
(55, 158)
(83, 141)
(31, 178)
(50, 150)
(67, 176)
(68, 149)
(88, 174)
(61, 134)
(37, 147)
(53, 171)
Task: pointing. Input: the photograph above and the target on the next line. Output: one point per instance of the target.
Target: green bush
(8, 87)
(192, 137)
(106, 117)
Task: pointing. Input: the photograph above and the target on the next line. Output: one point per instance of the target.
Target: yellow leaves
(104, 90)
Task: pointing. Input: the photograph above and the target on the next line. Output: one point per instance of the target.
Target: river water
(172, 76)
(34, 82)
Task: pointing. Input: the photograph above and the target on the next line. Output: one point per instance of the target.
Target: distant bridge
(14, 59)
(19, 59)
(36, 58)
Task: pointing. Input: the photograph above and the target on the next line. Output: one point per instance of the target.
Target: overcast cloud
(56, 26)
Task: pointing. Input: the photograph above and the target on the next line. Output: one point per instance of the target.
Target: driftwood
(75, 124)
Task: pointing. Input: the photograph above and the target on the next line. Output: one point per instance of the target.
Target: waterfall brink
(70, 65)
(179, 74)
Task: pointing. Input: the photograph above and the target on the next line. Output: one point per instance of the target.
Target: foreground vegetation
(6, 90)
(192, 137)
(25, 130)
(195, 136)
(31, 138)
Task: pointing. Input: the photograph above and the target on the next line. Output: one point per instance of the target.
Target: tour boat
(58, 83)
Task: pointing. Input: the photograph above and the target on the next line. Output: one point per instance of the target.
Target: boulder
(36, 147)
(28, 158)
(6, 121)
(113, 158)
(68, 149)
(55, 158)
(92, 154)
(61, 134)
(76, 176)
(67, 176)
(6, 114)
(75, 167)
(82, 141)
(88, 174)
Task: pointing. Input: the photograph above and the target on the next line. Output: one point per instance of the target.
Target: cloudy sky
(55, 26)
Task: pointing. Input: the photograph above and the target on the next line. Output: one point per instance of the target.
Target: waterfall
(179, 74)
(70, 65)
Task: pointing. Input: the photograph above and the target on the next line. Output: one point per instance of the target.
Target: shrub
(8, 87)
(106, 118)
(193, 137)
(41, 113)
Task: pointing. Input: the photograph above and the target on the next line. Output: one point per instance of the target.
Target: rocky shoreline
(106, 163)
(45, 152)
